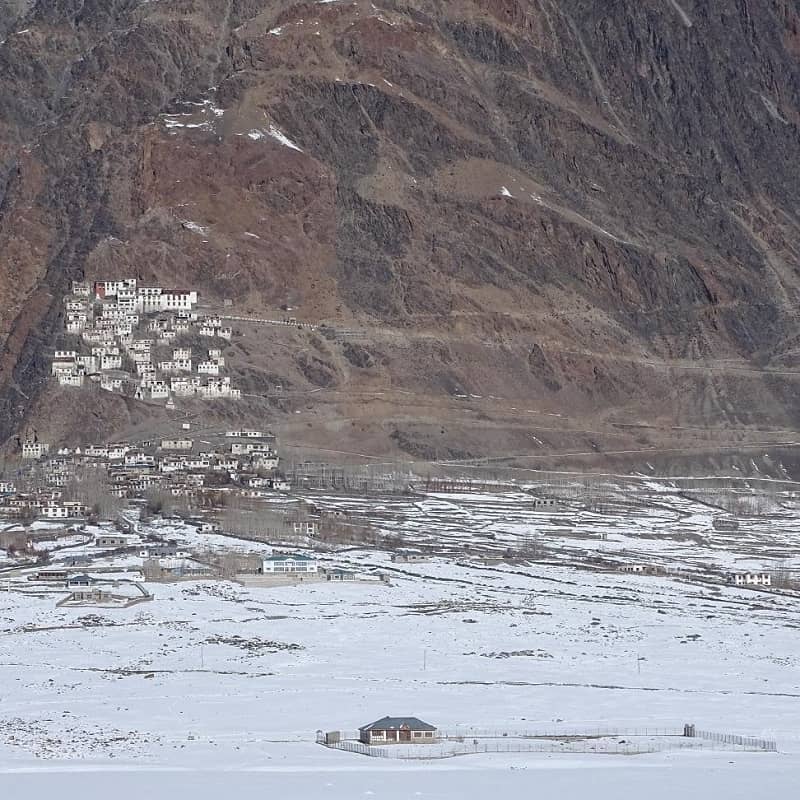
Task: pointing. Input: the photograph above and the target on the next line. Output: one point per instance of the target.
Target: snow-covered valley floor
(214, 687)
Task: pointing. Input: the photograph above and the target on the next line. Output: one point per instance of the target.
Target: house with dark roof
(80, 580)
(287, 563)
(398, 730)
(338, 574)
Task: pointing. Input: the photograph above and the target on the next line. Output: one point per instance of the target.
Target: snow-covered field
(213, 687)
(656, 523)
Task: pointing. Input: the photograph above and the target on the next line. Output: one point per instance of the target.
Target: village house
(175, 366)
(544, 502)
(305, 528)
(264, 461)
(280, 485)
(185, 387)
(86, 596)
(127, 297)
(148, 297)
(208, 368)
(640, 569)
(218, 387)
(59, 368)
(50, 576)
(749, 579)
(110, 361)
(246, 434)
(137, 484)
(157, 390)
(182, 490)
(111, 311)
(170, 464)
(163, 551)
(74, 379)
(139, 459)
(34, 449)
(88, 362)
(398, 730)
(209, 527)
(111, 384)
(177, 300)
(339, 575)
(409, 557)
(62, 366)
(117, 452)
(53, 511)
(67, 510)
(24, 501)
(103, 289)
(176, 444)
(175, 568)
(110, 540)
(76, 321)
(248, 448)
(288, 565)
(196, 462)
(80, 580)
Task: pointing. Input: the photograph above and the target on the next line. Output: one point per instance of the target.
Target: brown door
(405, 735)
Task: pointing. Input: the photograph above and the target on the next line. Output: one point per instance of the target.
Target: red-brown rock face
(525, 209)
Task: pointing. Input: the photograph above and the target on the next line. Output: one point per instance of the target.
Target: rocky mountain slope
(558, 225)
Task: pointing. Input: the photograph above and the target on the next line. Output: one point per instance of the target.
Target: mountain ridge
(592, 208)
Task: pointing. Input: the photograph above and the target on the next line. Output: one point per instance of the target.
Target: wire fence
(734, 740)
(616, 741)
(458, 734)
